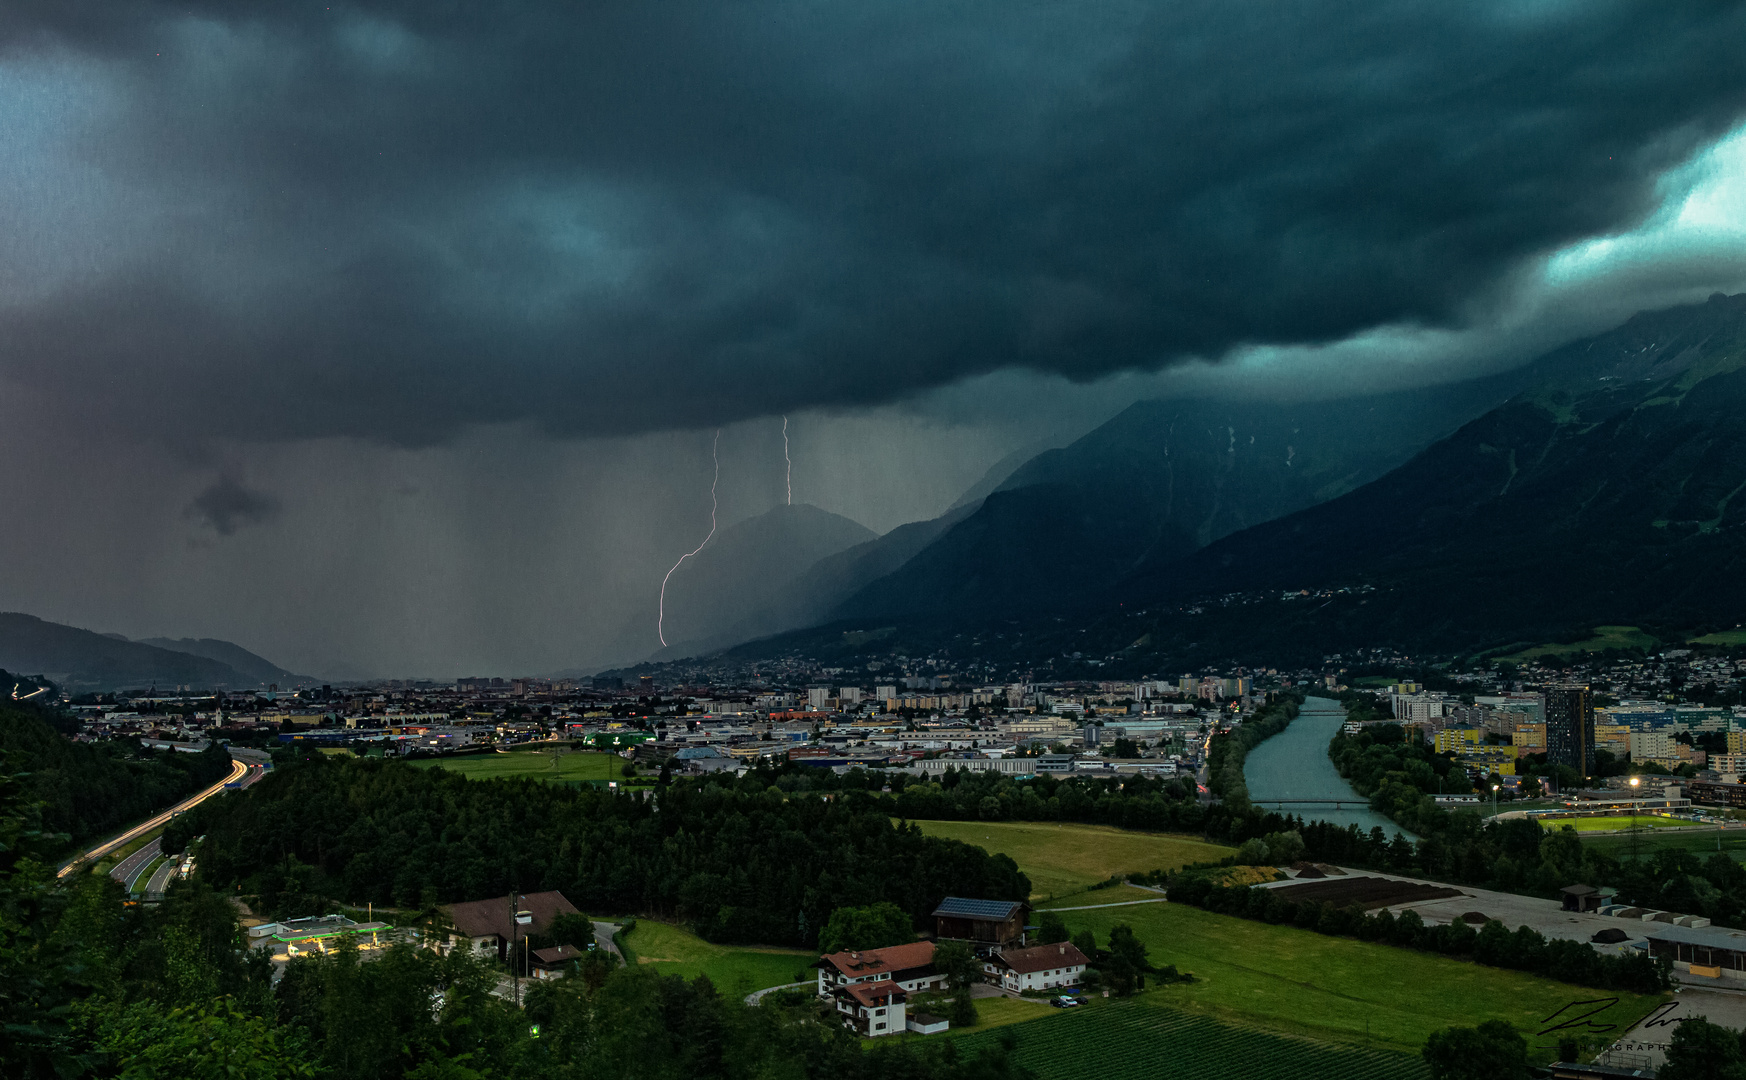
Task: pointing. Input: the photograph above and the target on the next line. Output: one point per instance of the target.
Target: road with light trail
(239, 771)
(134, 865)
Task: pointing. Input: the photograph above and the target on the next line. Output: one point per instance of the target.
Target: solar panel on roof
(976, 909)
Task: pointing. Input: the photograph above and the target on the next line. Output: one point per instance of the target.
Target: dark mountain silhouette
(1156, 483)
(1611, 492)
(82, 659)
(1608, 487)
(246, 663)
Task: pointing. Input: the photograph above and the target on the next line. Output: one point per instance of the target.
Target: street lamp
(1494, 788)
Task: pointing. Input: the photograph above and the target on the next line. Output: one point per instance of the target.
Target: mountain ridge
(86, 659)
(1608, 488)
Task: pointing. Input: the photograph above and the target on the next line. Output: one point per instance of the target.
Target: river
(1294, 764)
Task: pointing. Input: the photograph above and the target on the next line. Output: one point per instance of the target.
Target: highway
(160, 881)
(240, 771)
(134, 865)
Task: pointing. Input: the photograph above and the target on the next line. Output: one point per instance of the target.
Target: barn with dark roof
(986, 924)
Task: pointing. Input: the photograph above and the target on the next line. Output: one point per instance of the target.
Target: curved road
(160, 881)
(130, 868)
(239, 770)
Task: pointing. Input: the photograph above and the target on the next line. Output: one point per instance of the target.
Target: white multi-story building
(871, 988)
(1652, 745)
(1040, 967)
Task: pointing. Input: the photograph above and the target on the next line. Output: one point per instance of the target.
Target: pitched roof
(880, 993)
(977, 909)
(481, 918)
(557, 954)
(1041, 958)
(862, 964)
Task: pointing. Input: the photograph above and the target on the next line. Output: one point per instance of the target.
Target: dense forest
(741, 860)
(90, 987)
(91, 789)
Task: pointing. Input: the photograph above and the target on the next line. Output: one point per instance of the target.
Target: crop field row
(1140, 1040)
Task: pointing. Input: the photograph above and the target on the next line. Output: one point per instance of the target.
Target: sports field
(734, 970)
(543, 764)
(1138, 1039)
(1609, 824)
(1301, 982)
(1065, 860)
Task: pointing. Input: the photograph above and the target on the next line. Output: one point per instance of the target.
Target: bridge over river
(1291, 772)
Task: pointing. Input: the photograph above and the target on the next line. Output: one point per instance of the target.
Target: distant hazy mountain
(811, 597)
(240, 659)
(1611, 492)
(86, 660)
(1000, 472)
(735, 579)
(1156, 483)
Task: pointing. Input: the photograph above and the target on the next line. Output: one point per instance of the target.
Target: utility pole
(514, 933)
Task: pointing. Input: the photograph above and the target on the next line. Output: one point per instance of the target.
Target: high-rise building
(1569, 712)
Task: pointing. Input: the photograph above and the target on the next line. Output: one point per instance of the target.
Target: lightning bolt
(661, 618)
(788, 461)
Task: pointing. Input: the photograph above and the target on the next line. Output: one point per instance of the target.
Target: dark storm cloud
(227, 506)
(395, 219)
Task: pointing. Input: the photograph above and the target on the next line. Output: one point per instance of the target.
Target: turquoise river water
(1294, 765)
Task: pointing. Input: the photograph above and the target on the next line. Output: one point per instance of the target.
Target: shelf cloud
(396, 220)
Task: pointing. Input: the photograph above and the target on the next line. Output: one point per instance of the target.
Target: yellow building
(1613, 738)
(1490, 759)
(1736, 742)
(1458, 739)
(1532, 736)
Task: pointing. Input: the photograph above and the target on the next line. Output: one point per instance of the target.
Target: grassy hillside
(1139, 1040)
(1062, 860)
(1297, 981)
(734, 971)
(1605, 637)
